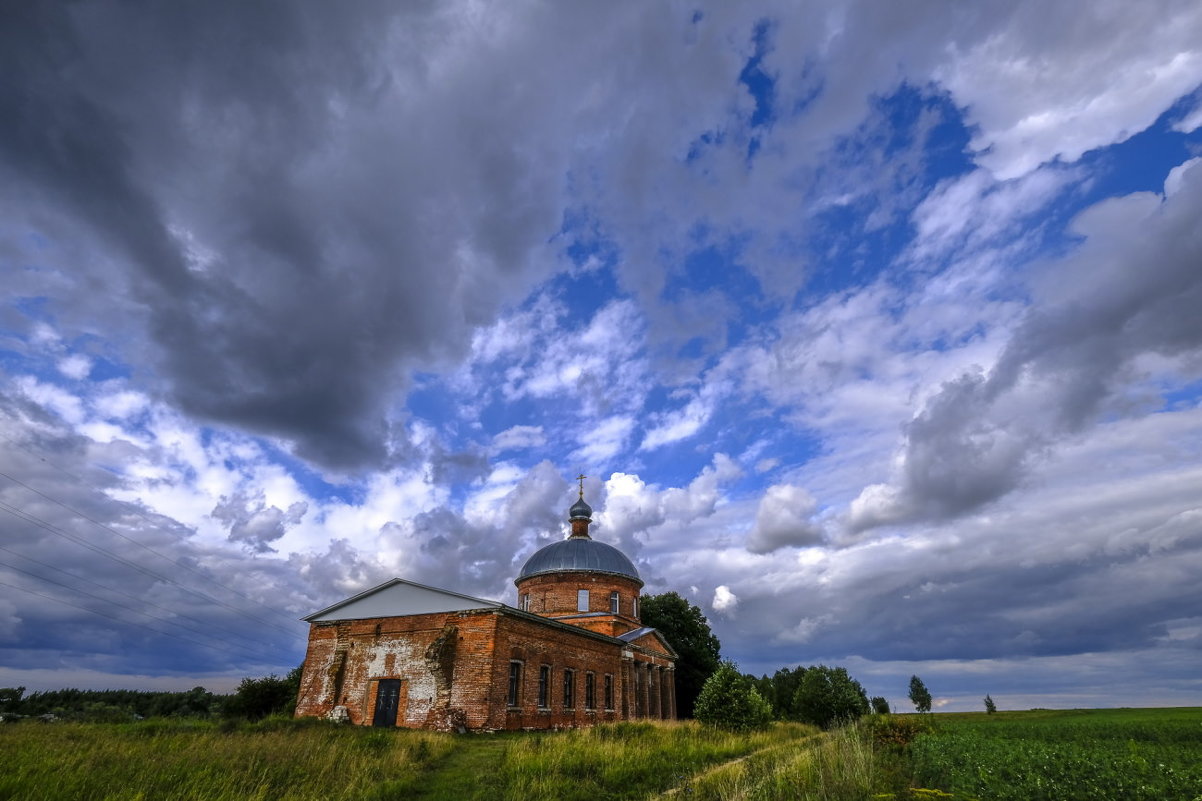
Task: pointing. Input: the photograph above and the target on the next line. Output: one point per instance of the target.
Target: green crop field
(1092, 755)
(1126, 755)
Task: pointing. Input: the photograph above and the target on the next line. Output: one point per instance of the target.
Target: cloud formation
(873, 327)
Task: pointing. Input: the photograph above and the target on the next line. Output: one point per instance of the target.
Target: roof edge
(484, 603)
(550, 571)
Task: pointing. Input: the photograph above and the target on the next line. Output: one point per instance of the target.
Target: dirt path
(462, 774)
(804, 742)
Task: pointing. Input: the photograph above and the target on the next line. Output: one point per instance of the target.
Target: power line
(37, 521)
(128, 609)
(114, 590)
(117, 619)
(137, 512)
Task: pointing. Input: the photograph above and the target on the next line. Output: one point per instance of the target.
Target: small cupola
(581, 514)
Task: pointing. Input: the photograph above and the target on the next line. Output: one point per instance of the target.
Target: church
(572, 653)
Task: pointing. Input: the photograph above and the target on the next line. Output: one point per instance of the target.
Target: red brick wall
(555, 593)
(441, 660)
(535, 645)
(454, 671)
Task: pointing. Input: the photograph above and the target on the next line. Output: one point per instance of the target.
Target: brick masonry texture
(556, 595)
(454, 671)
(549, 664)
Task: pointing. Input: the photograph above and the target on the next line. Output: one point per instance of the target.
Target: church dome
(580, 510)
(579, 555)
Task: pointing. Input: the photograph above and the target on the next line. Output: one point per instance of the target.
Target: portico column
(672, 693)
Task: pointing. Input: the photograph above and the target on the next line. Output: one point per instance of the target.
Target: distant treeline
(254, 699)
(109, 705)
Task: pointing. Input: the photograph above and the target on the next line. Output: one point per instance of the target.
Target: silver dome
(579, 554)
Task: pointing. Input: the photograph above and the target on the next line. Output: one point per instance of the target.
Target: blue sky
(875, 330)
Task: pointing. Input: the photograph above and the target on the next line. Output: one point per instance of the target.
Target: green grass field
(1096, 755)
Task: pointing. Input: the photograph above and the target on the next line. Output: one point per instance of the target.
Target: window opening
(590, 696)
(515, 683)
(544, 686)
(569, 681)
(582, 600)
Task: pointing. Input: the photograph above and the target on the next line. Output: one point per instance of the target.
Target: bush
(829, 697)
(729, 701)
(896, 730)
(257, 698)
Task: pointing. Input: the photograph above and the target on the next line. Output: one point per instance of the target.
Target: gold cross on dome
(581, 479)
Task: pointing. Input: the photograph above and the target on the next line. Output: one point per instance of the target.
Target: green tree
(686, 629)
(10, 698)
(990, 706)
(784, 692)
(728, 700)
(879, 705)
(258, 698)
(920, 695)
(828, 697)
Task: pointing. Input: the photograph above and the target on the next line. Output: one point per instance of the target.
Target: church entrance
(388, 698)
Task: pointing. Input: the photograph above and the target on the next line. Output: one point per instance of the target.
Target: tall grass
(628, 760)
(837, 766)
(1136, 755)
(274, 759)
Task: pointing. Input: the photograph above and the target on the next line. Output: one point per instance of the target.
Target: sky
(876, 329)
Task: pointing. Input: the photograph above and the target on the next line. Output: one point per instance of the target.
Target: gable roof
(634, 636)
(399, 597)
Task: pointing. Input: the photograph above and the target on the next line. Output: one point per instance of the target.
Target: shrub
(828, 697)
(729, 701)
(257, 698)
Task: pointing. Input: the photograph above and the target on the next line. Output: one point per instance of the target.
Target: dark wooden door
(388, 698)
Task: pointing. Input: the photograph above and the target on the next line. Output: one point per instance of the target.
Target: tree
(10, 698)
(258, 698)
(920, 695)
(784, 691)
(828, 697)
(990, 706)
(879, 705)
(728, 700)
(688, 632)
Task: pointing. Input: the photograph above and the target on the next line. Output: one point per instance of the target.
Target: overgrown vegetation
(256, 699)
(1100, 755)
(685, 627)
(300, 760)
(276, 758)
(829, 697)
(729, 701)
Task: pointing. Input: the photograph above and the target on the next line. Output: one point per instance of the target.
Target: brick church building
(573, 652)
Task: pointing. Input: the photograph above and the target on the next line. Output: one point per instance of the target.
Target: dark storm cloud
(300, 201)
(103, 584)
(1132, 290)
